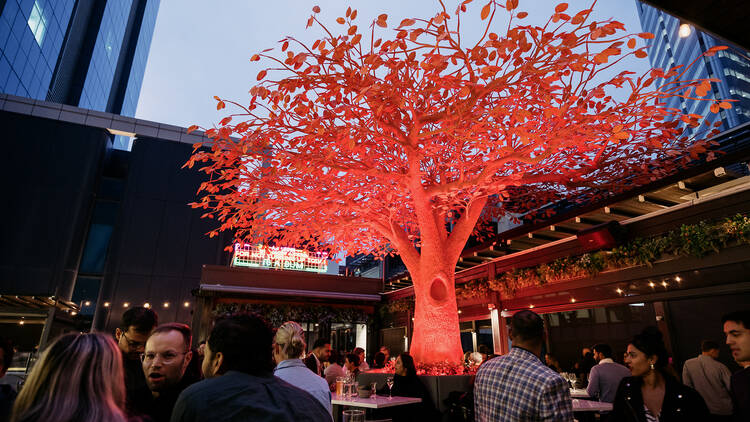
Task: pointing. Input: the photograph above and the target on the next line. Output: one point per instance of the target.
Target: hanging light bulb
(684, 30)
(106, 304)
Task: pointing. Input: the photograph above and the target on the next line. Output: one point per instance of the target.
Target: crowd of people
(246, 370)
(520, 386)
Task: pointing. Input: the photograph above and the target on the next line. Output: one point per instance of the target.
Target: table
(378, 402)
(579, 393)
(591, 406)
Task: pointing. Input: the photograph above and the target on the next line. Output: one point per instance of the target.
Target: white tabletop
(579, 393)
(591, 406)
(378, 402)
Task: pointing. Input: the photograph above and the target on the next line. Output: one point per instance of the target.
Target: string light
(126, 304)
(678, 279)
(87, 303)
(619, 291)
(166, 304)
(459, 311)
(147, 305)
(572, 300)
(21, 322)
(186, 304)
(106, 304)
(651, 284)
(531, 306)
(664, 283)
(684, 30)
(74, 313)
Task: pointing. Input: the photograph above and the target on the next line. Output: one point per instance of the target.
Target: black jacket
(312, 364)
(681, 403)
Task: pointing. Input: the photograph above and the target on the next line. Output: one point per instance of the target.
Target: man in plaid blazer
(519, 387)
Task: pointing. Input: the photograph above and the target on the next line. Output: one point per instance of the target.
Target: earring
(652, 366)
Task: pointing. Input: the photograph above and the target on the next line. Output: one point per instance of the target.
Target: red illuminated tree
(408, 143)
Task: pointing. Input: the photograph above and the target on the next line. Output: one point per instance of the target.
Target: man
(352, 365)
(711, 379)
(582, 368)
(387, 352)
(737, 330)
(363, 366)
(7, 393)
(165, 361)
(239, 384)
(320, 353)
(606, 375)
(137, 324)
(518, 386)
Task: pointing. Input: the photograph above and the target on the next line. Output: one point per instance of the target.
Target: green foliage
(278, 314)
(689, 240)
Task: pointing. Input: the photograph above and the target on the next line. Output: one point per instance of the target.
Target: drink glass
(374, 390)
(340, 386)
(389, 383)
(354, 415)
(355, 389)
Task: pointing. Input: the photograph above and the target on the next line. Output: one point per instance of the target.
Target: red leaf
(486, 10)
(356, 39)
(631, 43)
(640, 54)
(220, 105)
(561, 7)
(511, 4)
(316, 9)
(341, 20)
(406, 22)
(192, 128)
(352, 30)
(261, 75)
(715, 108)
(711, 51)
(254, 58)
(725, 105)
(522, 15)
(646, 35)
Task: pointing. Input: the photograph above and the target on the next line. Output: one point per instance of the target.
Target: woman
(78, 378)
(406, 383)
(653, 394)
(288, 347)
(335, 369)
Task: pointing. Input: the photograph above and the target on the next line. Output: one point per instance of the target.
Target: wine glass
(389, 383)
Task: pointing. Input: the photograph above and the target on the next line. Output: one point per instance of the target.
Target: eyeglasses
(134, 344)
(166, 357)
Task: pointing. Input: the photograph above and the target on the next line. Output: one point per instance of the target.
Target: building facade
(730, 66)
(88, 53)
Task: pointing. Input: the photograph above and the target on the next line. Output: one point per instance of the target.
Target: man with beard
(137, 324)
(165, 360)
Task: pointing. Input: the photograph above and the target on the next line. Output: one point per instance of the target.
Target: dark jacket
(681, 403)
(312, 364)
(236, 396)
(137, 393)
(160, 408)
(740, 392)
(7, 398)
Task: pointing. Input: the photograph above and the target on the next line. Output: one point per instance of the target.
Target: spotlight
(684, 30)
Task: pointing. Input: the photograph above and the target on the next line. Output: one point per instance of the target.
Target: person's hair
(379, 361)
(650, 341)
(291, 337)
(244, 339)
(408, 363)
(604, 349)
(321, 342)
(336, 357)
(484, 349)
(78, 377)
(141, 319)
(742, 317)
(358, 350)
(7, 347)
(527, 326)
(352, 358)
(708, 345)
(187, 333)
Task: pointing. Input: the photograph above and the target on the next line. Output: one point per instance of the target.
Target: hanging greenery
(399, 305)
(278, 314)
(689, 240)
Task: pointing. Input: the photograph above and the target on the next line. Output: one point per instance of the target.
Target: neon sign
(259, 256)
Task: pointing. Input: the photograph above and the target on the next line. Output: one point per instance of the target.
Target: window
(37, 22)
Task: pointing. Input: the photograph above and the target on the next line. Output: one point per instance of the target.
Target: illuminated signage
(259, 256)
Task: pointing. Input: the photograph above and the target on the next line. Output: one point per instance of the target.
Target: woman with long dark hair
(406, 383)
(653, 393)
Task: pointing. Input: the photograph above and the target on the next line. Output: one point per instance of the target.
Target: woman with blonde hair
(288, 348)
(79, 377)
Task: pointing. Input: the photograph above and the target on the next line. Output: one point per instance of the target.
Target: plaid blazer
(518, 387)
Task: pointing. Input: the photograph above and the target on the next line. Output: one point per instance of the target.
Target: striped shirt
(518, 387)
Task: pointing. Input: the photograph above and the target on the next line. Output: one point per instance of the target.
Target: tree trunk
(437, 337)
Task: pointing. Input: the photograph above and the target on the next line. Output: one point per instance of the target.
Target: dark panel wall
(47, 178)
(160, 244)
(693, 320)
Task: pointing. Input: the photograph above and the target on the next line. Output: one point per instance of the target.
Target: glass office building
(731, 66)
(90, 54)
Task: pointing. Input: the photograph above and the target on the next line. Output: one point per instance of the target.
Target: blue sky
(201, 48)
